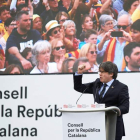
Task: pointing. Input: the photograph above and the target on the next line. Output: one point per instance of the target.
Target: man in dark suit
(107, 90)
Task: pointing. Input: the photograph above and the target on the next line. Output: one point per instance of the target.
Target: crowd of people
(56, 36)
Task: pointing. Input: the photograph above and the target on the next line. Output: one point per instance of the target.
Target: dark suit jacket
(116, 95)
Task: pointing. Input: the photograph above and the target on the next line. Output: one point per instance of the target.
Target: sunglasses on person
(123, 27)
(92, 52)
(51, 0)
(63, 20)
(58, 48)
(56, 31)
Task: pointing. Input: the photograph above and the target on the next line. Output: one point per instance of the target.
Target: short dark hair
(20, 13)
(76, 63)
(3, 8)
(110, 68)
(106, 12)
(127, 4)
(136, 25)
(128, 49)
(25, 52)
(19, 7)
(8, 21)
(90, 32)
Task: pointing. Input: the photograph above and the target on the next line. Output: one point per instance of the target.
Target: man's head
(91, 36)
(4, 13)
(135, 31)
(10, 24)
(80, 61)
(53, 3)
(23, 21)
(107, 71)
(124, 23)
(132, 55)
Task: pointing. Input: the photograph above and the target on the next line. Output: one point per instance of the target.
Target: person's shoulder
(34, 33)
(34, 70)
(13, 36)
(120, 84)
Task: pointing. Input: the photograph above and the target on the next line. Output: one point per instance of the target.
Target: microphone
(82, 94)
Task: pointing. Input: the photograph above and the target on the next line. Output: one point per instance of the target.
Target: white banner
(29, 103)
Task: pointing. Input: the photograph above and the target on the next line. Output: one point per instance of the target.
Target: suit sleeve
(83, 88)
(124, 100)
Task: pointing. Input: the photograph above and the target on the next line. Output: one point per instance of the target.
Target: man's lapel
(110, 90)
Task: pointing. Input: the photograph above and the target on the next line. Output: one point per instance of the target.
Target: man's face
(134, 59)
(24, 23)
(92, 39)
(135, 35)
(123, 24)
(53, 3)
(5, 15)
(105, 77)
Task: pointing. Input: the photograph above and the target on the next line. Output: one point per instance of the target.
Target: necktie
(102, 92)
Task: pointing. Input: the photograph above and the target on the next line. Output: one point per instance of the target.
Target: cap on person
(35, 16)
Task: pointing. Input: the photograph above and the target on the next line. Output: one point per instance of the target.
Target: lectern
(89, 123)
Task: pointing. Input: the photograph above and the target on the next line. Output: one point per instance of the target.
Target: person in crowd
(27, 54)
(106, 23)
(132, 56)
(89, 51)
(52, 8)
(58, 49)
(106, 90)
(67, 4)
(21, 38)
(107, 4)
(135, 31)
(112, 50)
(9, 24)
(13, 69)
(58, 52)
(90, 37)
(67, 65)
(4, 15)
(52, 30)
(61, 17)
(129, 7)
(87, 23)
(70, 32)
(41, 52)
(82, 61)
(37, 23)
